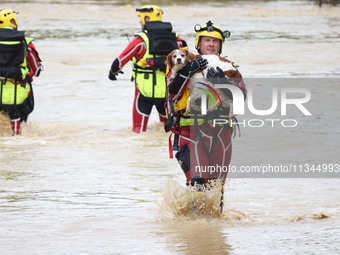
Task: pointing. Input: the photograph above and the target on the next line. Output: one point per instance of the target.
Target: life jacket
(160, 41)
(195, 118)
(179, 118)
(13, 52)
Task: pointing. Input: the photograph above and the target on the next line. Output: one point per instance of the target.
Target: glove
(193, 67)
(112, 76)
(217, 76)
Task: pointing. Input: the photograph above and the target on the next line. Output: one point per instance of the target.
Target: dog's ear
(190, 56)
(233, 74)
(168, 60)
(224, 59)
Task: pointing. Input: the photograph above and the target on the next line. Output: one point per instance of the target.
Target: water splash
(179, 201)
(5, 125)
(314, 216)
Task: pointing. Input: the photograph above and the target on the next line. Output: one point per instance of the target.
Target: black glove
(112, 76)
(217, 76)
(193, 67)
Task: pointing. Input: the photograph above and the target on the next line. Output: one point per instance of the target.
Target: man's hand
(112, 76)
(216, 76)
(194, 67)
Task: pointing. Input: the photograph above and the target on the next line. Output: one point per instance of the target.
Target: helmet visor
(144, 9)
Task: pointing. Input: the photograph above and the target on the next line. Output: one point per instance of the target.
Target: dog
(178, 58)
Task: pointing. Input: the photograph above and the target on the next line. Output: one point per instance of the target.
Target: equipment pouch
(12, 55)
(159, 64)
(183, 157)
(13, 72)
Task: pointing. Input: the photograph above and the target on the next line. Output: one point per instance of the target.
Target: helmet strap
(14, 23)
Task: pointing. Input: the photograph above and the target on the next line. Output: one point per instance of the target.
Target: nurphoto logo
(280, 99)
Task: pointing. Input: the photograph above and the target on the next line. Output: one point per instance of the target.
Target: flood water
(79, 181)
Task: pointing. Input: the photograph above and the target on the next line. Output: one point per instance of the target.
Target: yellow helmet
(210, 30)
(154, 12)
(6, 16)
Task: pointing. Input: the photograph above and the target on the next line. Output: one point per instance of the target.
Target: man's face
(210, 45)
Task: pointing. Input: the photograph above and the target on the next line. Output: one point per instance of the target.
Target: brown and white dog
(178, 58)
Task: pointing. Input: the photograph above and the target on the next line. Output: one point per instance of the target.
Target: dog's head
(179, 57)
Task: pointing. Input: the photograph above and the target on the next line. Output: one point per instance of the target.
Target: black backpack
(12, 55)
(161, 38)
